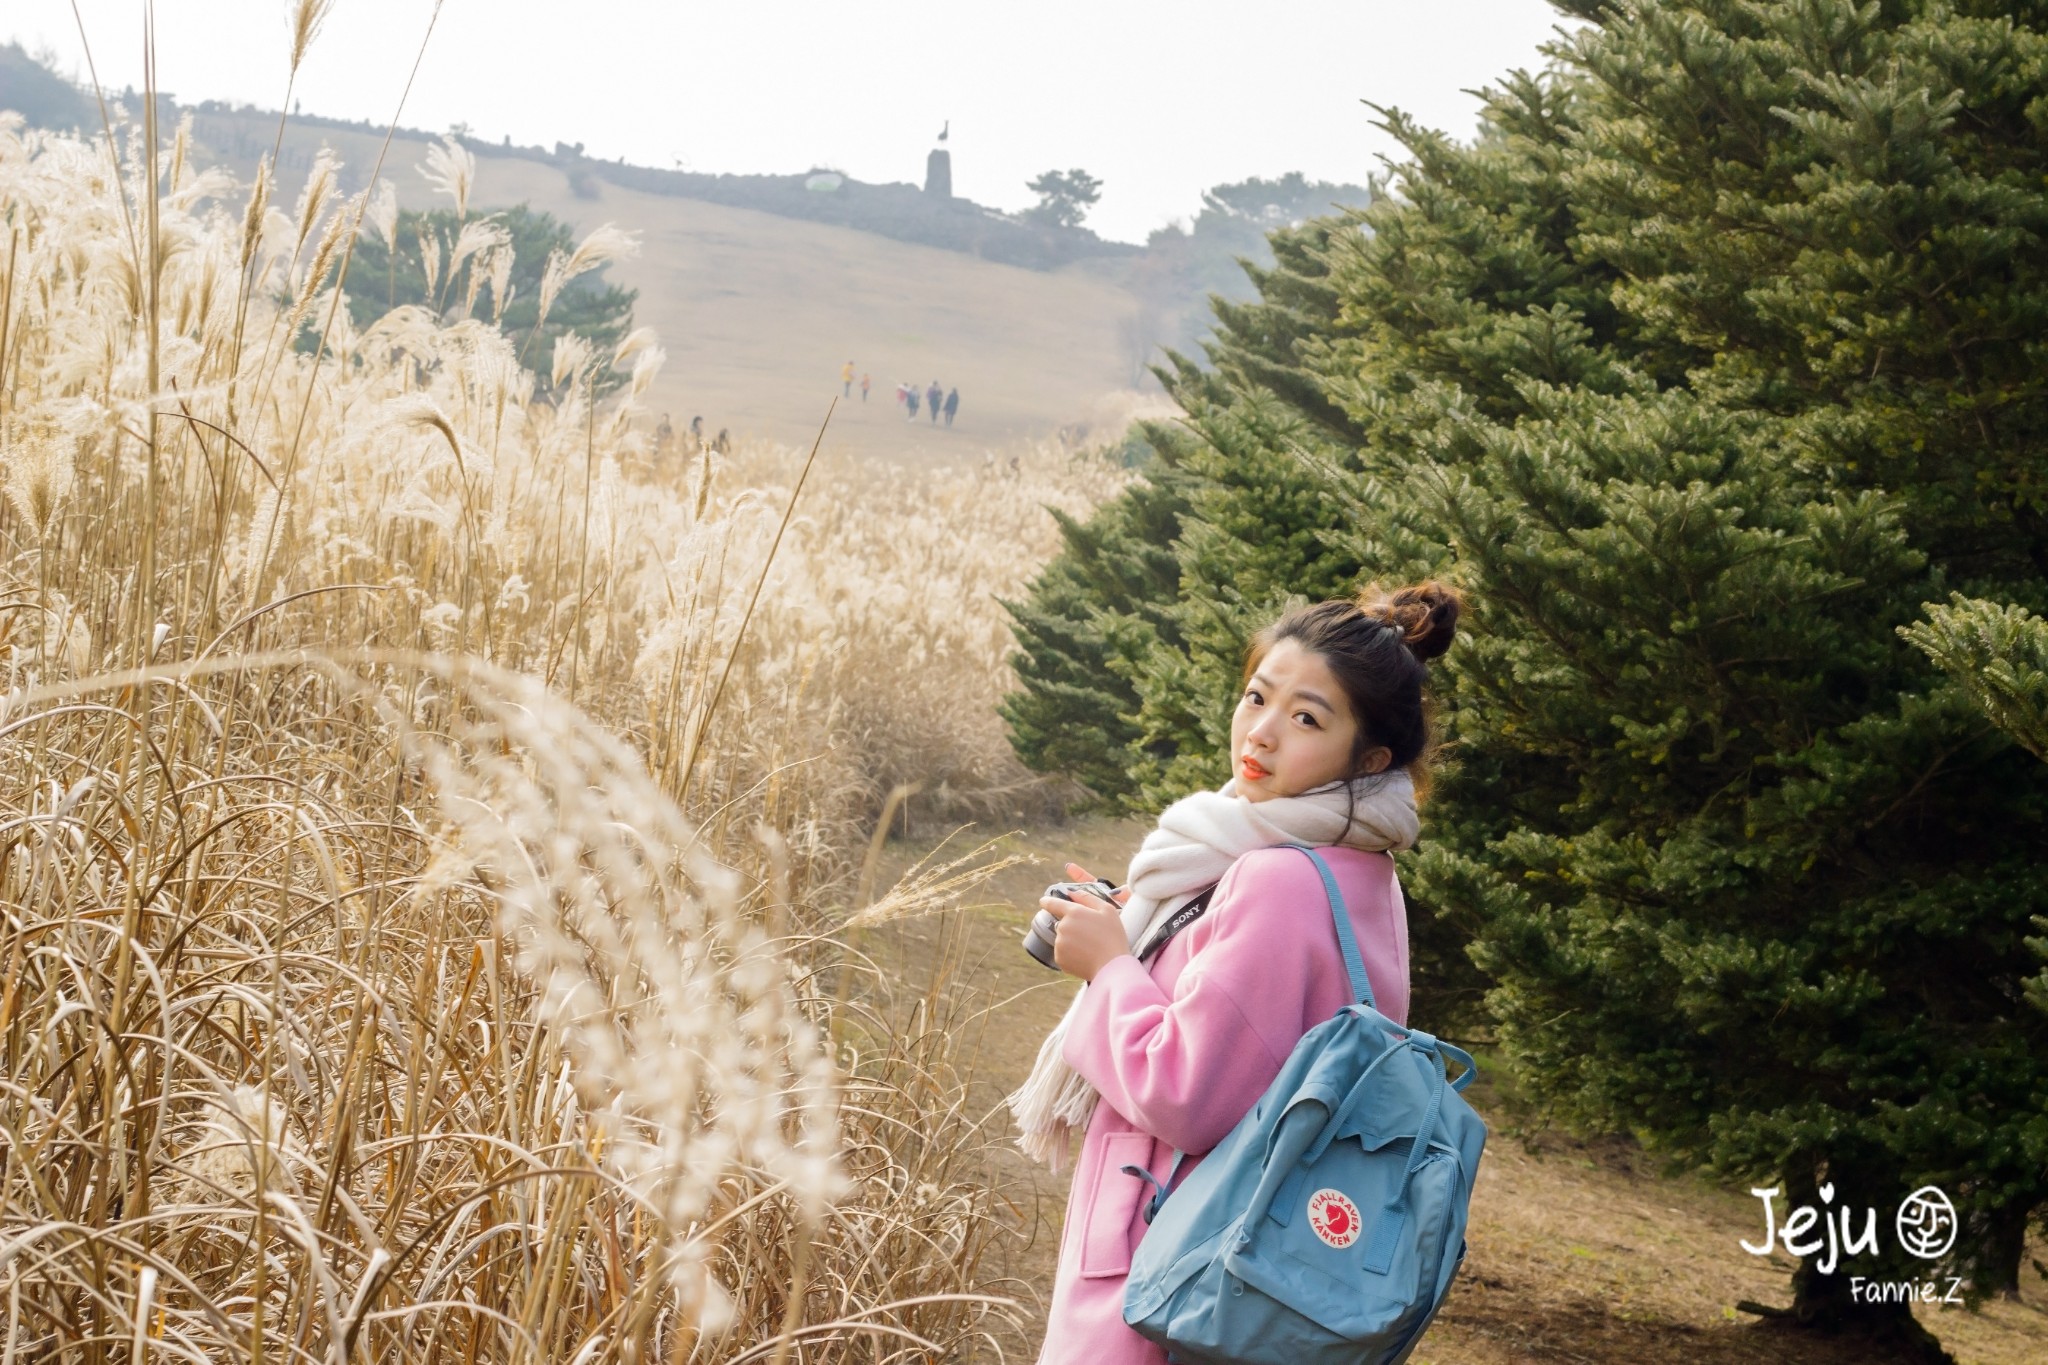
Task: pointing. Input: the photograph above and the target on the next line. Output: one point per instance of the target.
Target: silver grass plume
(475, 240)
(266, 531)
(603, 246)
(703, 485)
(420, 410)
(500, 272)
(571, 357)
(552, 278)
(430, 257)
(306, 18)
(646, 366)
(632, 344)
(451, 169)
(338, 229)
(252, 219)
(477, 236)
(687, 1049)
(382, 213)
(181, 148)
(313, 198)
(39, 472)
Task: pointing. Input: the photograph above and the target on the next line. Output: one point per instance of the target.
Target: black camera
(1039, 935)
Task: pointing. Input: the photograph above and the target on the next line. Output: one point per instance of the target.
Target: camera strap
(1181, 919)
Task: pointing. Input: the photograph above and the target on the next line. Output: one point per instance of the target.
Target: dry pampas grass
(429, 817)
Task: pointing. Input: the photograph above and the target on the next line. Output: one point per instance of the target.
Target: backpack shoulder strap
(1361, 991)
(1354, 963)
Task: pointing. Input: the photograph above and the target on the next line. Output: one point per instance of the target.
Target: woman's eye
(1252, 696)
(1306, 717)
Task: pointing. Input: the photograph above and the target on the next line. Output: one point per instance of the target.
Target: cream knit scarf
(1198, 838)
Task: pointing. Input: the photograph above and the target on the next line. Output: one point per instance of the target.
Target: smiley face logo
(1926, 1223)
(1333, 1218)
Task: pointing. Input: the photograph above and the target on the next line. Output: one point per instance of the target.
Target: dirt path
(1013, 1002)
(1579, 1252)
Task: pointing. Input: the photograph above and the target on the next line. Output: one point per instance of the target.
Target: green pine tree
(1097, 604)
(1998, 656)
(1707, 364)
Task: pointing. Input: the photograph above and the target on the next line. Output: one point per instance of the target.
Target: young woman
(1167, 1047)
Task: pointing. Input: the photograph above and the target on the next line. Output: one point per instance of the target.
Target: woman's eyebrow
(1305, 694)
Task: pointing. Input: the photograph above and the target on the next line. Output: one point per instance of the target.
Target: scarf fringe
(1052, 1105)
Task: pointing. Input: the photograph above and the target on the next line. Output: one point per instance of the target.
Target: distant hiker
(696, 433)
(952, 405)
(935, 396)
(1013, 466)
(865, 383)
(846, 378)
(902, 392)
(723, 445)
(664, 436)
(910, 397)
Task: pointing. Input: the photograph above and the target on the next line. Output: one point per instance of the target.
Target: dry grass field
(759, 312)
(428, 824)
(445, 901)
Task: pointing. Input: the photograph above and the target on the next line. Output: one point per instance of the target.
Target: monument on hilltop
(938, 168)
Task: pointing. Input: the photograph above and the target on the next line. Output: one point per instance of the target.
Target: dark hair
(1378, 644)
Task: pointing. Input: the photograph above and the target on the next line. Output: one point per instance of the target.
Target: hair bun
(1425, 613)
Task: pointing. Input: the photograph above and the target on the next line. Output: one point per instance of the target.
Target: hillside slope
(759, 312)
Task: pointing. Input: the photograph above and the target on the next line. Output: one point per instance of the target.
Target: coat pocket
(1112, 1206)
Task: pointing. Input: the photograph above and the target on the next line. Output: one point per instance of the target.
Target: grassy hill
(762, 288)
(758, 312)
(39, 94)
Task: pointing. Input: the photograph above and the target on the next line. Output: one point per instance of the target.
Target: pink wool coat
(1182, 1047)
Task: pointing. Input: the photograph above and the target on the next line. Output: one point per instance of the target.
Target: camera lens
(1038, 938)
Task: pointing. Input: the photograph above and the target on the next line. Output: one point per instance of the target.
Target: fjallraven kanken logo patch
(1333, 1217)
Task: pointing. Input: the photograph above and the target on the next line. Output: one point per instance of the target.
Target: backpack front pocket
(1110, 1206)
(1313, 1259)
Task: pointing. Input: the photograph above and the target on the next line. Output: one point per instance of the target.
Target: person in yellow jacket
(846, 379)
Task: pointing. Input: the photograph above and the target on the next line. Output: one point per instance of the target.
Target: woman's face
(1293, 728)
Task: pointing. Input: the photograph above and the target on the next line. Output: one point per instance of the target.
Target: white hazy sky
(1159, 100)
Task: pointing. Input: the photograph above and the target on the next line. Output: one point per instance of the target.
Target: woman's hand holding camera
(1091, 931)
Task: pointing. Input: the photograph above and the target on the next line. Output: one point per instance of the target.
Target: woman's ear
(1375, 759)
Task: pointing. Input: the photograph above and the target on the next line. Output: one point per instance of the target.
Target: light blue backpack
(1326, 1227)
